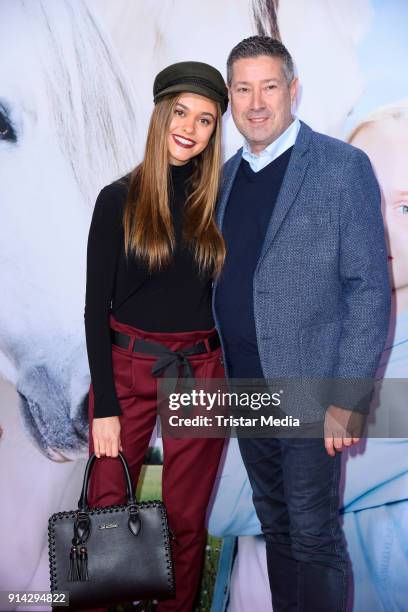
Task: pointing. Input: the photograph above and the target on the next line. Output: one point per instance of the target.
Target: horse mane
(91, 101)
(265, 17)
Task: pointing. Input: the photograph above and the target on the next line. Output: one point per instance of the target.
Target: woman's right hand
(106, 436)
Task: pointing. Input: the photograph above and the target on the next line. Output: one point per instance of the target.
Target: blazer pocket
(319, 349)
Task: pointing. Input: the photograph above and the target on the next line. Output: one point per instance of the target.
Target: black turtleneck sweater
(174, 299)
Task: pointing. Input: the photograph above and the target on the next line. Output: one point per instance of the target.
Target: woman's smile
(184, 142)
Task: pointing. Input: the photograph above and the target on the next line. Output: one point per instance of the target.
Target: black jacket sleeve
(104, 243)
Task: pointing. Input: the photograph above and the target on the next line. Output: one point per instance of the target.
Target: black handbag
(104, 556)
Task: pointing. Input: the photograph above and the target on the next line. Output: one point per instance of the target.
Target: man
(304, 293)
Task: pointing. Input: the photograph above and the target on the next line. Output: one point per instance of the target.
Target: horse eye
(7, 132)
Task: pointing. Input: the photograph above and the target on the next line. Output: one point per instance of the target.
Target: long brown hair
(148, 228)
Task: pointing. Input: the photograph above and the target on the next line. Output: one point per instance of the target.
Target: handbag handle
(83, 507)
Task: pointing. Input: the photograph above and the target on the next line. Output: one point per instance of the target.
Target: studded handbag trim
(109, 509)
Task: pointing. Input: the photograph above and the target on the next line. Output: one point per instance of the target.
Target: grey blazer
(321, 291)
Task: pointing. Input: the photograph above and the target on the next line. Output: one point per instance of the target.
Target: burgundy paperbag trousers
(189, 464)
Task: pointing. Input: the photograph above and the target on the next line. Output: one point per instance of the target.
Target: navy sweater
(249, 209)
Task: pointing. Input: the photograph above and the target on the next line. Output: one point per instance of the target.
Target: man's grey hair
(255, 46)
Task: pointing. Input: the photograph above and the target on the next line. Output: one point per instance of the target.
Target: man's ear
(293, 89)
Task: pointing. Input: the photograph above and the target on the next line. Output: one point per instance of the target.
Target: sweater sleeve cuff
(106, 406)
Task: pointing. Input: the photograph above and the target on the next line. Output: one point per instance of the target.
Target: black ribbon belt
(169, 363)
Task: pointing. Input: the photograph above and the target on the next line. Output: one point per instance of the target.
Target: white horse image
(322, 36)
(67, 127)
(69, 124)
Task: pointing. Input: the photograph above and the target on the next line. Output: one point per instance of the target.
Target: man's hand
(342, 428)
(106, 436)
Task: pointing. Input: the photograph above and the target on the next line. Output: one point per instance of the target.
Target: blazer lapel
(227, 183)
(294, 175)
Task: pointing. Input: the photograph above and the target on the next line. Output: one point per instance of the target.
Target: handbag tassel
(78, 566)
(73, 574)
(83, 564)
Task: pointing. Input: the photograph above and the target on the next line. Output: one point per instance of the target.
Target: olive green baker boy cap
(192, 77)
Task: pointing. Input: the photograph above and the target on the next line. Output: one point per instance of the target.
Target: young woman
(153, 251)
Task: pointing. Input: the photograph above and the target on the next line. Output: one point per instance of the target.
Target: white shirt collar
(272, 151)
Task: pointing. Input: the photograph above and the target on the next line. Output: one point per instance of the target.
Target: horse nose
(55, 421)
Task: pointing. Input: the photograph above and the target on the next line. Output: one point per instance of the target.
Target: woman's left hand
(106, 436)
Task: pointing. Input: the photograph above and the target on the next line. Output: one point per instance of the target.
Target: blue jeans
(295, 487)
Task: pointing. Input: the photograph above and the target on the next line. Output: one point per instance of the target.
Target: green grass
(212, 554)
(149, 486)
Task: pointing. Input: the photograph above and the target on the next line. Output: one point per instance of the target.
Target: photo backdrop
(75, 100)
